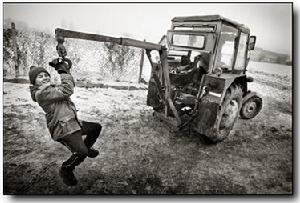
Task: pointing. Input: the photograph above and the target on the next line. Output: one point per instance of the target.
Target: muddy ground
(140, 155)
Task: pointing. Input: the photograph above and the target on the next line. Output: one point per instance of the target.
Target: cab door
(225, 50)
(241, 56)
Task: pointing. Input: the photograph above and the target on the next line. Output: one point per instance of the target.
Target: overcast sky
(271, 23)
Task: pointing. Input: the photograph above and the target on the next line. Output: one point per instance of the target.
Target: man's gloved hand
(54, 62)
(68, 61)
(61, 65)
(62, 68)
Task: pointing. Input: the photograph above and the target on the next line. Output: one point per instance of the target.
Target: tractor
(198, 77)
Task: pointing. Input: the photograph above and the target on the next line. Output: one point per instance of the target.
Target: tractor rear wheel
(228, 113)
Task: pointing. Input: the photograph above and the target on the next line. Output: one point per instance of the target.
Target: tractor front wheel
(251, 107)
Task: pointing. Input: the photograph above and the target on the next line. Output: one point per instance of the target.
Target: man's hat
(34, 71)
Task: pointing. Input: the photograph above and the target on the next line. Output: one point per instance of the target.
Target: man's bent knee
(82, 151)
(98, 127)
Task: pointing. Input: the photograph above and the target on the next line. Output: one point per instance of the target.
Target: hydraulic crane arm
(61, 34)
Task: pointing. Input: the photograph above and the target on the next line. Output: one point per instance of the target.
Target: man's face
(42, 79)
(200, 64)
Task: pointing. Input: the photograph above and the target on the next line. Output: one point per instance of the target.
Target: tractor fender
(211, 103)
(250, 94)
(218, 85)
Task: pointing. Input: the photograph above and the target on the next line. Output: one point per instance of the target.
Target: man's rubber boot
(68, 176)
(92, 153)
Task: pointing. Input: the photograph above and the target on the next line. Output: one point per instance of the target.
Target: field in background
(270, 68)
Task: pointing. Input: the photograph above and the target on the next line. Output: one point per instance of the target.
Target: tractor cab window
(241, 54)
(188, 40)
(225, 56)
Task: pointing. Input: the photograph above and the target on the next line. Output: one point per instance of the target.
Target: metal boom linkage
(102, 38)
(148, 46)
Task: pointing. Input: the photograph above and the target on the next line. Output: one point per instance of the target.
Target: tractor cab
(224, 41)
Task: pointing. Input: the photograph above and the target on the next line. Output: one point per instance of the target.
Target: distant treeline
(111, 62)
(261, 55)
